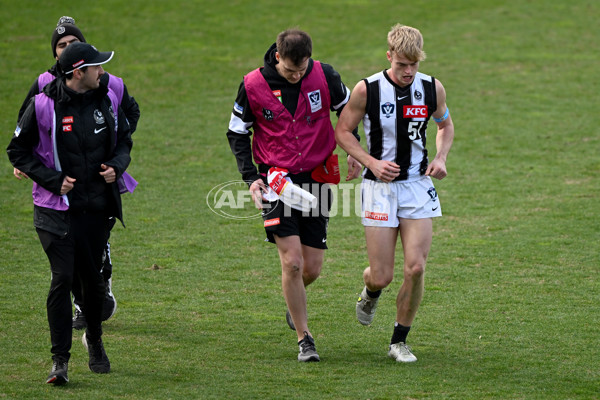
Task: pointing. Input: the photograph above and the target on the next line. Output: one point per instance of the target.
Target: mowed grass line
(512, 293)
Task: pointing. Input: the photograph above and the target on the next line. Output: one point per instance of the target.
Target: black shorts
(282, 220)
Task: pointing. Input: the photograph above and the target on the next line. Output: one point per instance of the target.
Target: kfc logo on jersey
(387, 109)
(415, 112)
(67, 128)
(67, 120)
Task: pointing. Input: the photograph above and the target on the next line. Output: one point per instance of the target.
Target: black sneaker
(58, 375)
(79, 322)
(289, 320)
(99, 362)
(307, 349)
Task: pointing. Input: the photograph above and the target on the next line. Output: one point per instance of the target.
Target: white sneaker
(401, 353)
(365, 308)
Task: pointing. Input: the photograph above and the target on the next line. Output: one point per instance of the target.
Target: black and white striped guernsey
(395, 123)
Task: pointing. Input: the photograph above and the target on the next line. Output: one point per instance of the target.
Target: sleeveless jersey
(395, 123)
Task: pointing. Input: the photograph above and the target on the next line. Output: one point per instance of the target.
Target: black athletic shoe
(99, 362)
(79, 322)
(307, 349)
(58, 375)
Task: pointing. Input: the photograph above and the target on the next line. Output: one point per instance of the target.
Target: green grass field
(512, 302)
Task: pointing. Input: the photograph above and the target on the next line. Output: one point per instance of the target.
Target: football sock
(400, 333)
(373, 295)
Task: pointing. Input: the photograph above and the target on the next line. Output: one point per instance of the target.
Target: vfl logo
(268, 114)
(414, 112)
(315, 100)
(432, 193)
(388, 109)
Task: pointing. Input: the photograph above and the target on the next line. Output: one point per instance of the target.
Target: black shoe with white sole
(307, 352)
(58, 374)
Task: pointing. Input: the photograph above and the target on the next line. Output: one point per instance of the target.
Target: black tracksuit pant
(76, 256)
(106, 269)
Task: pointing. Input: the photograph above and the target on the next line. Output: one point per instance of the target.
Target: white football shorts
(384, 203)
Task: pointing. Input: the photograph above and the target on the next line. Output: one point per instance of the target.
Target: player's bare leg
(299, 264)
(416, 236)
(381, 248)
(292, 282)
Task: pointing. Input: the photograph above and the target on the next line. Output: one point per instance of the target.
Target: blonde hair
(407, 41)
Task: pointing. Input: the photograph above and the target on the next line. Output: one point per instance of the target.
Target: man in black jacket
(74, 142)
(64, 34)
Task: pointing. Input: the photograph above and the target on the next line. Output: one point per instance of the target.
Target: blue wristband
(445, 117)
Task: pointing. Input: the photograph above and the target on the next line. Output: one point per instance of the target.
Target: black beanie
(63, 30)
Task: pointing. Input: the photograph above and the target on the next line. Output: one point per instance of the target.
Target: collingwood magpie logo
(268, 114)
(418, 95)
(387, 109)
(98, 116)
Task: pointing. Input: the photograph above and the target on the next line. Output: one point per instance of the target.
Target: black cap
(66, 26)
(79, 55)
